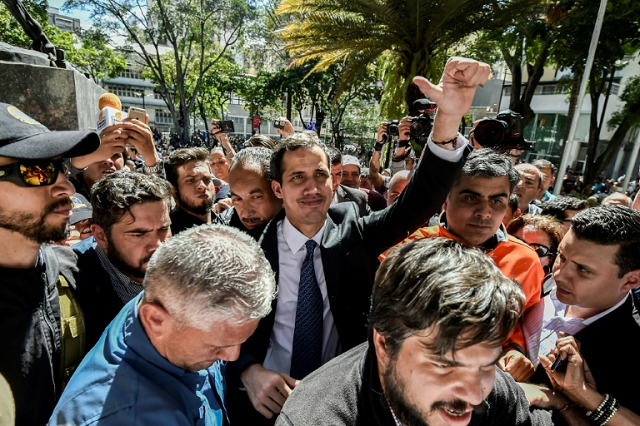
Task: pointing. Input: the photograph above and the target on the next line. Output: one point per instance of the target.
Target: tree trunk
(594, 133)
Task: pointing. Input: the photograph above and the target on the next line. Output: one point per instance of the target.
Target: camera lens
(490, 132)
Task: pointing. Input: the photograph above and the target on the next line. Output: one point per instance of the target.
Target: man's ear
(100, 235)
(155, 320)
(380, 345)
(631, 280)
(277, 189)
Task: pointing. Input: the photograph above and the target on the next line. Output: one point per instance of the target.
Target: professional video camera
(503, 132)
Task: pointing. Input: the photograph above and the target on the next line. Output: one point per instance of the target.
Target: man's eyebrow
(470, 192)
(137, 231)
(454, 363)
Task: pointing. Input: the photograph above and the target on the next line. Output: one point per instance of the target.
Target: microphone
(110, 111)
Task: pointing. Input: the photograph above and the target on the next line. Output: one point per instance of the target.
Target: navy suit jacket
(350, 248)
(609, 346)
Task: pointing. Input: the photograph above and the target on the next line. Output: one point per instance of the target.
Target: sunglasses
(33, 172)
(542, 250)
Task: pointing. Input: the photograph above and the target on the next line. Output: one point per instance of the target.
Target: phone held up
(225, 126)
(138, 114)
(279, 124)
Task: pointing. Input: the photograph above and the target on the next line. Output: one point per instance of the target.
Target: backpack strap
(73, 331)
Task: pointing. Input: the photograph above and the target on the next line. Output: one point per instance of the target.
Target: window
(163, 117)
(125, 91)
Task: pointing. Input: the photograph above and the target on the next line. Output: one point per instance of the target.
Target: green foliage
(10, 30)
(406, 38)
(631, 97)
(88, 51)
(196, 33)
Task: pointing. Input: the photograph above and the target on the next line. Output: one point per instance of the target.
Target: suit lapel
(330, 253)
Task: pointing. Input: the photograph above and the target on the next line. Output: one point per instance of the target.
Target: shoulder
(508, 405)
(339, 382)
(353, 193)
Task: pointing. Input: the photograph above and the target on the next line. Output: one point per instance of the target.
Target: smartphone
(226, 126)
(279, 124)
(138, 114)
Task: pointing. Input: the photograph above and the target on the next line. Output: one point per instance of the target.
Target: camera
(393, 128)
(503, 132)
(279, 124)
(421, 127)
(225, 126)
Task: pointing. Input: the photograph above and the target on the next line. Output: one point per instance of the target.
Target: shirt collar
(561, 308)
(296, 239)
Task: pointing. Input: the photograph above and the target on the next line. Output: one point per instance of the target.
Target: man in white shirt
(596, 269)
(326, 257)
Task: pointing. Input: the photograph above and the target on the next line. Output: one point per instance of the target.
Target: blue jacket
(123, 381)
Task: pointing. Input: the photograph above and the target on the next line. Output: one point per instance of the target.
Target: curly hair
(547, 224)
(114, 195)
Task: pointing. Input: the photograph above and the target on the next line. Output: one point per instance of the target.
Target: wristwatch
(151, 169)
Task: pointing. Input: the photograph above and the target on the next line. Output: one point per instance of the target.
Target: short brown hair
(181, 157)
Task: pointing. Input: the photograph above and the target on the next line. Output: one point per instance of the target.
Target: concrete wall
(61, 99)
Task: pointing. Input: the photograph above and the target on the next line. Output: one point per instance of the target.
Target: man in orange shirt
(473, 214)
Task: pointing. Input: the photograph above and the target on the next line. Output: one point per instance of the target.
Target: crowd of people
(289, 283)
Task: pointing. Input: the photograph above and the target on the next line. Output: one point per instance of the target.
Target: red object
(256, 123)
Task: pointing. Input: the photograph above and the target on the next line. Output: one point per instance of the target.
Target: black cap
(81, 209)
(23, 137)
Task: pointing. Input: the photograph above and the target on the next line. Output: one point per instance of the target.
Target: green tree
(619, 37)
(197, 33)
(95, 58)
(406, 37)
(525, 44)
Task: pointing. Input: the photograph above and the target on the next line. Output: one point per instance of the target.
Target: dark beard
(190, 207)
(34, 227)
(123, 265)
(394, 392)
(408, 414)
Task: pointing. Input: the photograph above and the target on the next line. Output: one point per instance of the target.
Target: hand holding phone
(138, 114)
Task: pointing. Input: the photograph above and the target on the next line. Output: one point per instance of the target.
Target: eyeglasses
(33, 172)
(542, 250)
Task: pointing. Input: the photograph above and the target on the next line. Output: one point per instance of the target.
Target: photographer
(379, 182)
(222, 137)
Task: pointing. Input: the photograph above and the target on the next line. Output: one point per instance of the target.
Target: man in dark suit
(342, 193)
(592, 306)
(341, 249)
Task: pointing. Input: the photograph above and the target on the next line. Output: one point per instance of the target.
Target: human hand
(140, 136)
(383, 135)
(288, 128)
(577, 377)
(267, 389)
(516, 364)
(222, 205)
(542, 397)
(454, 94)
(404, 128)
(113, 140)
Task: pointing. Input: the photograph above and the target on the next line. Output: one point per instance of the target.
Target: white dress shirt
(553, 322)
(291, 254)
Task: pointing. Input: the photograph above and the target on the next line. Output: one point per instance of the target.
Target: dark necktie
(306, 354)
